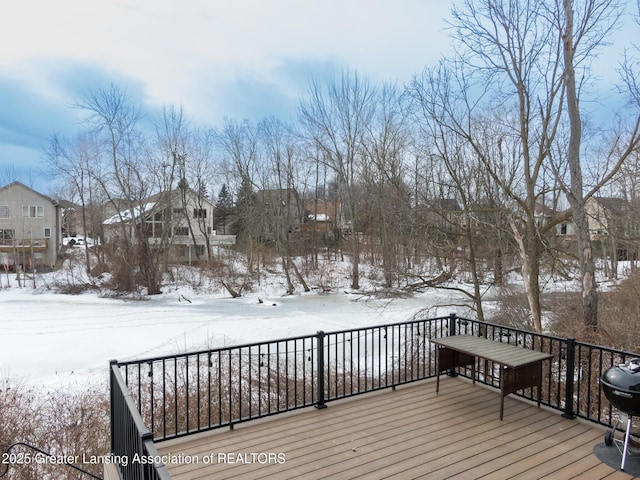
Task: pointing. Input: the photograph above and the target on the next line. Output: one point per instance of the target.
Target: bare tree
(507, 63)
(176, 145)
(75, 161)
(239, 145)
(284, 204)
(584, 27)
(335, 117)
(442, 96)
(506, 96)
(126, 181)
(387, 196)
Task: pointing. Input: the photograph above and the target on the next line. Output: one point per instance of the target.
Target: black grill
(621, 386)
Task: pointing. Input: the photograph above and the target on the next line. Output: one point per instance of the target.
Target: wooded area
(481, 165)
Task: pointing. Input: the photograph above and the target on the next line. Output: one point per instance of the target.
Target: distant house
(282, 213)
(607, 217)
(181, 221)
(322, 216)
(610, 217)
(613, 227)
(30, 228)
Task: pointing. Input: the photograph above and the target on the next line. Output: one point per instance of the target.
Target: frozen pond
(48, 336)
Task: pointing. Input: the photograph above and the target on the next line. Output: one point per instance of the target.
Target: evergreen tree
(224, 206)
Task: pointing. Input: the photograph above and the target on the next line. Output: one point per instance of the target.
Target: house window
(4, 211)
(6, 236)
(47, 233)
(199, 213)
(184, 231)
(32, 211)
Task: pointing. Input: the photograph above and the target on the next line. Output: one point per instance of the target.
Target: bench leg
(539, 393)
(473, 371)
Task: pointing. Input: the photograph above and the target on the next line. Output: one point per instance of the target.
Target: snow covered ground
(48, 338)
(54, 338)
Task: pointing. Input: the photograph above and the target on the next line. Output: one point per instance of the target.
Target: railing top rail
(214, 350)
(607, 349)
(388, 325)
(275, 341)
(334, 332)
(497, 326)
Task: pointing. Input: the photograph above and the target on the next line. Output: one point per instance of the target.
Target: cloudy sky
(215, 58)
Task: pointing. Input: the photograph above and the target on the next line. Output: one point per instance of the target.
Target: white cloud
(172, 46)
(216, 58)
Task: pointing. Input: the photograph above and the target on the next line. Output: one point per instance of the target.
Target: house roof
(148, 204)
(172, 194)
(126, 215)
(614, 205)
(22, 185)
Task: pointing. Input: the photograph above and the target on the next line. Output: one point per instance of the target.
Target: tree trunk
(576, 196)
(355, 259)
(298, 274)
(530, 275)
(285, 268)
(230, 289)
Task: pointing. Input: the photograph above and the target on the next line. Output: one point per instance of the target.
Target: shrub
(60, 422)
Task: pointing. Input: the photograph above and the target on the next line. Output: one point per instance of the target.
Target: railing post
(320, 368)
(452, 324)
(112, 412)
(569, 378)
(452, 331)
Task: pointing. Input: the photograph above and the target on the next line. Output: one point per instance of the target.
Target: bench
(519, 367)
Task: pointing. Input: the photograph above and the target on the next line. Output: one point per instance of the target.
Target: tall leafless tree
(335, 117)
(584, 27)
(285, 206)
(112, 117)
(73, 160)
(238, 143)
(386, 193)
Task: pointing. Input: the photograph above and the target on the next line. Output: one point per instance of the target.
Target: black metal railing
(178, 395)
(571, 377)
(132, 449)
(182, 394)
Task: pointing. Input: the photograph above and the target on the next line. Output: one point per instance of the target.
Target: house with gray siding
(182, 222)
(30, 228)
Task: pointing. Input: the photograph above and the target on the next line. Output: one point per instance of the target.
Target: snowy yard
(52, 338)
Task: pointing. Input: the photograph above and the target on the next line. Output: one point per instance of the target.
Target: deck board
(403, 434)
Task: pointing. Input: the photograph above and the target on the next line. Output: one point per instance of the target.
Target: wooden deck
(402, 434)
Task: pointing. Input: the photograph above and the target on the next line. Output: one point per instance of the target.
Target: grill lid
(625, 377)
